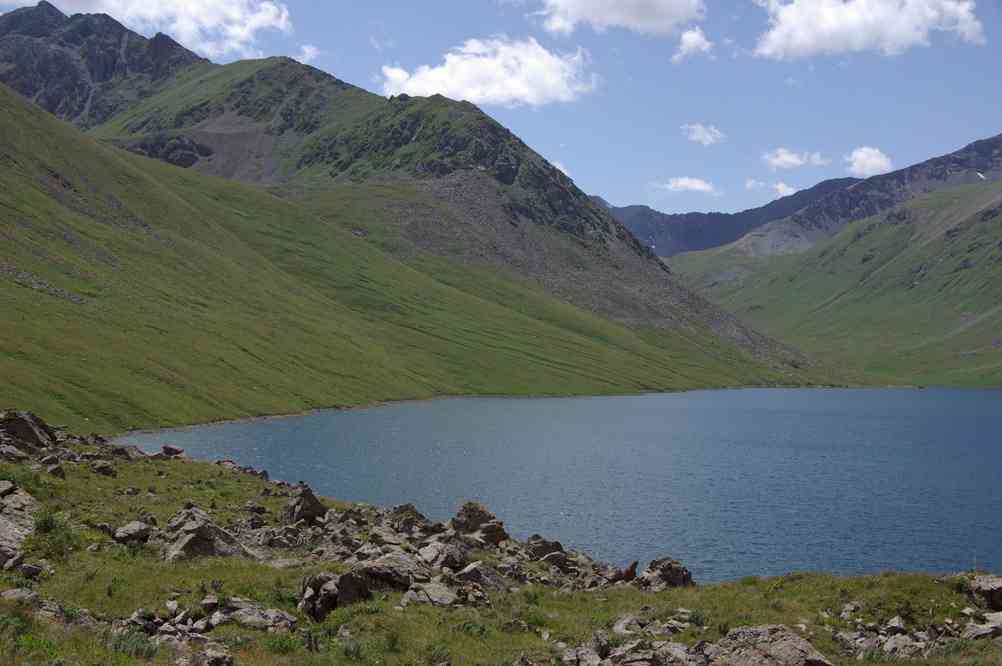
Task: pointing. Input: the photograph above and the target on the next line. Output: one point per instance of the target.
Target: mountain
(137, 293)
(88, 67)
(671, 234)
(912, 294)
(316, 140)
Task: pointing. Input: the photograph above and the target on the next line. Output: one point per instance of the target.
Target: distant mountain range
(671, 234)
(795, 223)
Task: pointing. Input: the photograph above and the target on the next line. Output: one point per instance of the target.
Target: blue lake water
(733, 483)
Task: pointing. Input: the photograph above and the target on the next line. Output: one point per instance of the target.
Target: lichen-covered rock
(439, 554)
(989, 588)
(394, 571)
(17, 510)
(772, 645)
(191, 533)
(134, 532)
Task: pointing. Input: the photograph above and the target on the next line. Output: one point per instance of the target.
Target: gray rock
(6, 488)
(434, 593)
(254, 616)
(975, 632)
(29, 433)
(896, 625)
(903, 646)
(12, 454)
(663, 574)
(104, 468)
(538, 547)
(324, 592)
(471, 517)
(989, 588)
(17, 510)
(395, 571)
(21, 596)
(439, 554)
(773, 645)
(304, 505)
(56, 471)
(213, 656)
(134, 532)
(191, 534)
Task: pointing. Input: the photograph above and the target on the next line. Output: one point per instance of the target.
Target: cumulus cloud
(650, 17)
(752, 184)
(214, 28)
(307, 54)
(704, 134)
(498, 71)
(868, 161)
(784, 158)
(693, 42)
(804, 28)
(783, 190)
(687, 184)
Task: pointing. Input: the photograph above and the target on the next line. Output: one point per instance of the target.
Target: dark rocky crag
(87, 67)
(463, 563)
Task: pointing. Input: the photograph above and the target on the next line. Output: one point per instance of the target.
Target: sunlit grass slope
(912, 296)
(139, 294)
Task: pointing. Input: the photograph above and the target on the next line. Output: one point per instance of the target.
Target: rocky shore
(351, 555)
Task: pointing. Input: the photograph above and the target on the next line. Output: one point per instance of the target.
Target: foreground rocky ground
(114, 556)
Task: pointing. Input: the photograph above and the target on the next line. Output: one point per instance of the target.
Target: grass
(907, 297)
(141, 295)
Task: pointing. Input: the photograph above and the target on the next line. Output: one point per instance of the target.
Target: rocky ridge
(467, 562)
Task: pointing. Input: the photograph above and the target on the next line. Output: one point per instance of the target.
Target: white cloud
(650, 17)
(783, 190)
(498, 71)
(381, 44)
(212, 27)
(867, 161)
(704, 134)
(693, 42)
(784, 158)
(752, 184)
(560, 166)
(307, 54)
(688, 184)
(803, 28)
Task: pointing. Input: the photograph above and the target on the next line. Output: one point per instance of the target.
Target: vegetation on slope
(913, 295)
(138, 294)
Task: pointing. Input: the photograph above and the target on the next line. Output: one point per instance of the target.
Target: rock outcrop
(191, 533)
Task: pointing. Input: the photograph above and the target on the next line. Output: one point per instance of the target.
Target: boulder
(471, 517)
(11, 453)
(538, 547)
(22, 596)
(213, 656)
(17, 510)
(989, 588)
(773, 645)
(56, 471)
(28, 432)
(304, 505)
(254, 616)
(406, 518)
(394, 571)
(975, 632)
(134, 532)
(324, 592)
(171, 451)
(434, 593)
(903, 646)
(190, 534)
(439, 554)
(104, 468)
(663, 574)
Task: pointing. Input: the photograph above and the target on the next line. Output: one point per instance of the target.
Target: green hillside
(130, 287)
(913, 295)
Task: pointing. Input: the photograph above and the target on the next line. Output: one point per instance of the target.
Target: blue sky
(767, 96)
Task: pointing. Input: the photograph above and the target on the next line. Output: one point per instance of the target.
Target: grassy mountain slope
(912, 295)
(136, 288)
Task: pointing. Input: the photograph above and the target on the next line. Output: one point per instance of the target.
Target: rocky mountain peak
(32, 21)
